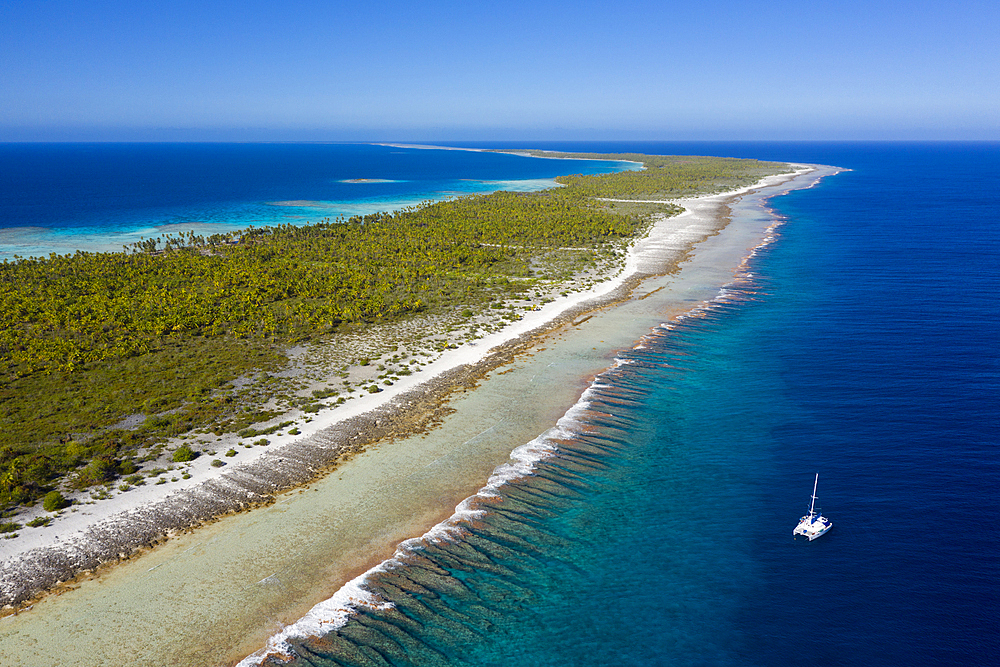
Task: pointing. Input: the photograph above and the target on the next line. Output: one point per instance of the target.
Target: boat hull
(813, 527)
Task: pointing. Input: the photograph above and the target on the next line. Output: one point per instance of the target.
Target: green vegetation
(105, 355)
(183, 454)
(251, 432)
(54, 501)
(665, 176)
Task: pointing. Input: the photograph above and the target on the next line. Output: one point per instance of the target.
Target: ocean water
(653, 525)
(66, 197)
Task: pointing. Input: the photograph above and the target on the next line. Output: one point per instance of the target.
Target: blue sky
(388, 70)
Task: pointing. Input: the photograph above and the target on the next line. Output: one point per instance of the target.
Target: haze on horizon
(389, 70)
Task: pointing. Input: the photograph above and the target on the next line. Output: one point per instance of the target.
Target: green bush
(216, 463)
(231, 452)
(325, 393)
(97, 471)
(54, 501)
(9, 527)
(184, 453)
(158, 422)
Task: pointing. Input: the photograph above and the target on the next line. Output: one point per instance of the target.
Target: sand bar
(235, 582)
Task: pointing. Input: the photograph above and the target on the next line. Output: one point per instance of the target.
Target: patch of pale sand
(70, 526)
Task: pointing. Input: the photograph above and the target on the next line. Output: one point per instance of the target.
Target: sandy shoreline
(131, 522)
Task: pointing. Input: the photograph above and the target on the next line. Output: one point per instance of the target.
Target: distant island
(368, 180)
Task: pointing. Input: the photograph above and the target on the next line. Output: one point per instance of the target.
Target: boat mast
(813, 503)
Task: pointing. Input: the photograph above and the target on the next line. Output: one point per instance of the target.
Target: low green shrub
(127, 467)
(325, 393)
(97, 471)
(54, 501)
(183, 454)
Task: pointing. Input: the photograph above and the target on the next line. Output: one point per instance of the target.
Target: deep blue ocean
(866, 347)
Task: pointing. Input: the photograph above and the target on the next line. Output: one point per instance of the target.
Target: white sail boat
(813, 525)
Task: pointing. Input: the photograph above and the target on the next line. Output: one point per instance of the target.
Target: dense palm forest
(164, 328)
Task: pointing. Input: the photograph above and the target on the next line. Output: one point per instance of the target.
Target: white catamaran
(813, 525)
